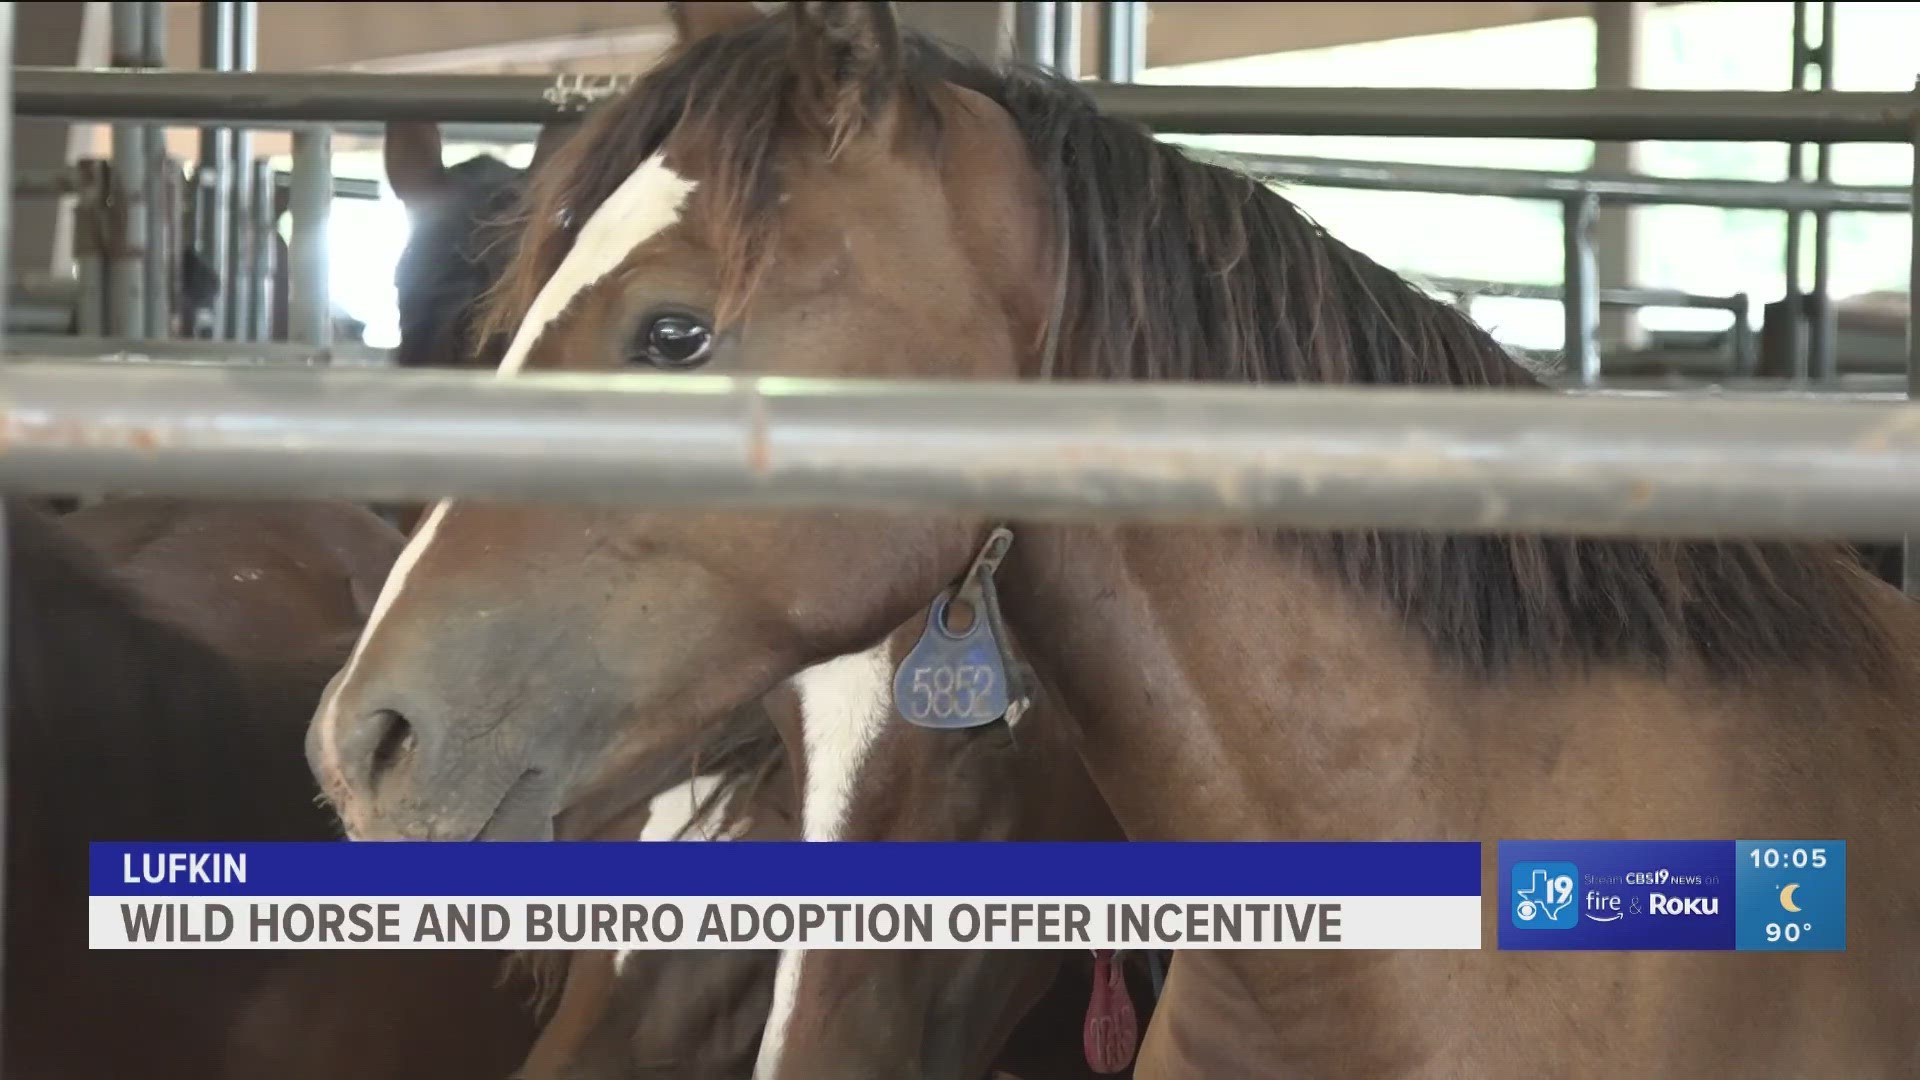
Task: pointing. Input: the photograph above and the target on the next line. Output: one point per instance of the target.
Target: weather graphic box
(1631, 895)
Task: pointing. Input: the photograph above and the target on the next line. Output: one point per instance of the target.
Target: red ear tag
(1112, 1031)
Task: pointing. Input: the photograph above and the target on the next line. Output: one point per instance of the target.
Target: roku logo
(1661, 904)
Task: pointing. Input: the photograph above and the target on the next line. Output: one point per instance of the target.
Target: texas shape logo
(1543, 896)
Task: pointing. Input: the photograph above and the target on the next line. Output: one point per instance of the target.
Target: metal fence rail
(1608, 115)
(282, 98)
(1579, 195)
(1559, 186)
(1738, 305)
(31, 347)
(1301, 456)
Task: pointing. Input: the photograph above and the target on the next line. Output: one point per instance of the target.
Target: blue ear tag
(965, 678)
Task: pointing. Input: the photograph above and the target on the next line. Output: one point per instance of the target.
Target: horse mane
(744, 750)
(1262, 294)
(127, 726)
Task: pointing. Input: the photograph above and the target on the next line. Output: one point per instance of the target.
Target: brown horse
(605, 1021)
(821, 194)
(257, 580)
(128, 725)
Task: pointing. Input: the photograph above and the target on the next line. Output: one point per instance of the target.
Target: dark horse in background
(162, 657)
(460, 239)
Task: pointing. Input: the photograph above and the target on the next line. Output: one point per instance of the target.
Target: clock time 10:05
(1793, 858)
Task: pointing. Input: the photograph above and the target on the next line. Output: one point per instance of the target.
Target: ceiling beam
(593, 37)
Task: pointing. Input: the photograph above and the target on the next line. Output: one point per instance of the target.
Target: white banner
(641, 923)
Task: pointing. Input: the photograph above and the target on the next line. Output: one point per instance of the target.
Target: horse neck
(1282, 705)
(1227, 663)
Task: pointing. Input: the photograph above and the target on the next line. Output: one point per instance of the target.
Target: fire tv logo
(1543, 896)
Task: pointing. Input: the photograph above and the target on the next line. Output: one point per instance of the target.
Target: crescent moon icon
(1786, 896)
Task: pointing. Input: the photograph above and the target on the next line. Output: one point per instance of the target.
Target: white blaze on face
(671, 815)
(843, 709)
(648, 202)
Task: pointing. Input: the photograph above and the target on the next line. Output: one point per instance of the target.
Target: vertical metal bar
(90, 213)
(1580, 288)
(1910, 555)
(1810, 321)
(1123, 40)
(202, 197)
(1824, 363)
(211, 228)
(239, 287)
(1793, 302)
(1619, 63)
(309, 305)
(261, 280)
(1745, 356)
(162, 187)
(127, 314)
(173, 201)
(240, 242)
(6, 559)
(1033, 32)
(1066, 38)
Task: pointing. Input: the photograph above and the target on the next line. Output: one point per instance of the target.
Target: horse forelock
(736, 97)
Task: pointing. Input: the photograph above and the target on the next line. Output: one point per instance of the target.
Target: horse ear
(412, 154)
(694, 21)
(850, 59)
(552, 136)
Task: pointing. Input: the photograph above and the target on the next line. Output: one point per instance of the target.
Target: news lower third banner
(1695, 895)
(752, 895)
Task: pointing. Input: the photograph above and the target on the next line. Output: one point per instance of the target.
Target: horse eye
(673, 341)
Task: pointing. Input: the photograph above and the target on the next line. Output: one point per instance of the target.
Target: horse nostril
(392, 739)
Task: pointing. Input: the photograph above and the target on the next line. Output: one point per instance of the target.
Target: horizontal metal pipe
(344, 187)
(281, 98)
(1611, 295)
(38, 316)
(1559, 187)
(36, 348)
(1435, 112)
(1298, 456)
(63, 348)
(45, 181)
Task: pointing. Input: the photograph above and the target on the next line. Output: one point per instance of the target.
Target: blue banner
(749, 869)
(1695, 895)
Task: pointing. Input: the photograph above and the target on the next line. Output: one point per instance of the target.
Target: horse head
(516, 648)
